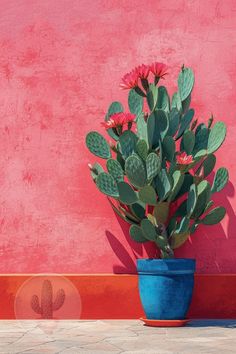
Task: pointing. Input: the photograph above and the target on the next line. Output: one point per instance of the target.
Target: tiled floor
(126, 337)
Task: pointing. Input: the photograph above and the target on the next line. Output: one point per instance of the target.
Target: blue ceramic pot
(166, 287)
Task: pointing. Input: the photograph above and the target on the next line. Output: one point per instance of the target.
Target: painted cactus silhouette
(48, 306)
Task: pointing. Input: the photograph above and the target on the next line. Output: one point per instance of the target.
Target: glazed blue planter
(166, 287)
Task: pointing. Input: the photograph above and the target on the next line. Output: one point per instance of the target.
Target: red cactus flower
(142, 71)
(158, 69)
(128, 118)
(184, 159)
(114, 121)
(119, 120)
(129, 80)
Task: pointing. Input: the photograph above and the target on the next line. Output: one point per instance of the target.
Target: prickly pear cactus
(158, 164)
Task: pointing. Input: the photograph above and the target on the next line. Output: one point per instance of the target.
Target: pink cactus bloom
(184, 159)
(158, 69)
(118, 120)
(142, 71)
(129, 80)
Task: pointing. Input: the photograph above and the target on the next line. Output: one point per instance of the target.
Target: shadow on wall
(212, 245)
(210, 251)
(138, 250)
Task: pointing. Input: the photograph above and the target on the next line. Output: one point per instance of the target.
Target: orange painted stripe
(111, 296)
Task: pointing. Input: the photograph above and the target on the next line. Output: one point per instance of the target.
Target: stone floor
(122, 336)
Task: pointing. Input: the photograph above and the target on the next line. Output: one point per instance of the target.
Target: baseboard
(105, 296)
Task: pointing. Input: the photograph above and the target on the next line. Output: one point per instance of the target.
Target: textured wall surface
(60, 66)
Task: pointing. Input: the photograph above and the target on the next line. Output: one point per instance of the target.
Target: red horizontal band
(107, 296)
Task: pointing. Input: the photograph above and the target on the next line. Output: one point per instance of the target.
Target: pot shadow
(137, 250)
(224, 323)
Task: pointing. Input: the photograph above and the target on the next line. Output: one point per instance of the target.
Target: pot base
(164, 323)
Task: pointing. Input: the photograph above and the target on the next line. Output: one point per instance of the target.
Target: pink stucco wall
(60, 67)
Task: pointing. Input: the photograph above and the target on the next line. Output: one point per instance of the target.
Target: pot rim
(166, 259)
(153, 266)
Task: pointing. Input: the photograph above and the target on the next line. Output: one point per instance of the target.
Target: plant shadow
(136, 250)
(216, 238)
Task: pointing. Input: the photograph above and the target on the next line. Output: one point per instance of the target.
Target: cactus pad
(115, 107)
(192, 199)
(173, 122)
(161, 212)
(201, 138)
(168, 146)
(182, 209)
(149, 230)
(142, 149)
(214, 216)
(141, 127)
(153, 165)
(216, 137)
(163, 100)
(199, 155)
(136, 234)
(162, 123)
(135, 171)
(98, 145)
(176, 102)
(186, 104)
(152, 131)
(188, 180)
(188, 141)
(203, 196)
(135, 102)
(178, 179)
(107, 184)
(152, 96)
(115, 169)
(163, 186)
(127, 143)
(96, 170)
(138, 209)
(185, 83)
(157, 127)
(185, 122)
(220, 180)
(208, 164)
(148, 195)
(126, 194)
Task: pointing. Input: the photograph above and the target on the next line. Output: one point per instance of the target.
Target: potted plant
(156, 180)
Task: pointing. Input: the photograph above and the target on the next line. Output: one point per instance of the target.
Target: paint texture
(60, 67)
